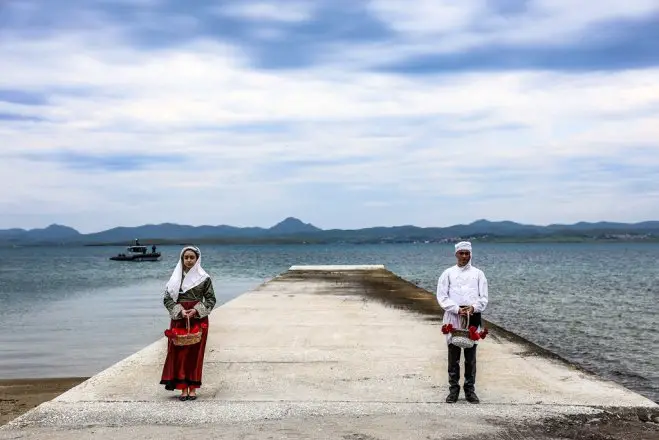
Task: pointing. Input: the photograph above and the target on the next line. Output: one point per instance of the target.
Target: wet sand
(17, 396)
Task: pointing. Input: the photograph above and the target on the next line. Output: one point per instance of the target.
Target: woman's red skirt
(184, 364)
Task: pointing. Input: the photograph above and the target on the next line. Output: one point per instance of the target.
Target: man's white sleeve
(444, 301)
(481, 303)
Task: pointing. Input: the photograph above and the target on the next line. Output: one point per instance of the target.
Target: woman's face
(189, 259)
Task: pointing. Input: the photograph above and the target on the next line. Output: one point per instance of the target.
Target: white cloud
(429, 16)
(290, 11)
(557, 22)
(446, 26)
(130, 2)
(427, 140)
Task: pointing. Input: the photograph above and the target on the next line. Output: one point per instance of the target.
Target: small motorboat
(138, 253)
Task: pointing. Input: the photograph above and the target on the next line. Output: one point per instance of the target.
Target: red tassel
(473, 334)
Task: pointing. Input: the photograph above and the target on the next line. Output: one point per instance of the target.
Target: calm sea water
(73, 312)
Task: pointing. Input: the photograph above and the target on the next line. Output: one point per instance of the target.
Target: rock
(643, 416)
(591, 421)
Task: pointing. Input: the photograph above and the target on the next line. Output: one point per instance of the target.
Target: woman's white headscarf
(195, 276)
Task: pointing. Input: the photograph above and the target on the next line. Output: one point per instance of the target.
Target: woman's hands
(189, 313)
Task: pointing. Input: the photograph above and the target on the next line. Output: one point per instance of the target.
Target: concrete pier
(345, 352)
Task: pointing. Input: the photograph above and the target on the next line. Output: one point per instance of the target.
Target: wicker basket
(460, 337)
(188, 338)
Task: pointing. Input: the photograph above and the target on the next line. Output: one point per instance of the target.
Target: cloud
(95, 162)
(471, 23)
(345, 114)
(428, 16)
(22, 97)
(17, 117)
(436, 36)
(607, 46)
(288, 12)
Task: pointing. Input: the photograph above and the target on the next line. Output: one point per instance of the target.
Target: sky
(343, 113)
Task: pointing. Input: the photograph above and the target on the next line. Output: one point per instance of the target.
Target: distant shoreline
(295, 231)
(288, 243)
(311, 242)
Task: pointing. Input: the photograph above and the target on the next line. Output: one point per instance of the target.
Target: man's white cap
(463, 246)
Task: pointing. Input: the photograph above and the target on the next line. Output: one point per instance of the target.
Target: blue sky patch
(92, 162)
(23, 97)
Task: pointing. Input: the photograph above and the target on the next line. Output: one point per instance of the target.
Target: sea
(70, 311)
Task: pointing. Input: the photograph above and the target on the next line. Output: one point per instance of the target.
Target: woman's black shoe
(452, 398)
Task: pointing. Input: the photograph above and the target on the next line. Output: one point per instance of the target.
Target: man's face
(463, 257)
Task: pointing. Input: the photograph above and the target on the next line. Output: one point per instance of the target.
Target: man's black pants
(470, 362)
(454, 368)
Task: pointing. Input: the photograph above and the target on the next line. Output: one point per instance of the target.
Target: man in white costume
(462, 293)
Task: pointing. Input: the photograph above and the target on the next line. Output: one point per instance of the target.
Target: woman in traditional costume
(189, 295)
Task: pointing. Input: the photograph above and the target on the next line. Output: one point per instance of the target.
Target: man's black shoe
(452, 398)
(471, 397)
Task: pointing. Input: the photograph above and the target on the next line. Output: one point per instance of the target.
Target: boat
(137, 253)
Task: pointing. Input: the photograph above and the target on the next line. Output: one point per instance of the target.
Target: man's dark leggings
(454, 368)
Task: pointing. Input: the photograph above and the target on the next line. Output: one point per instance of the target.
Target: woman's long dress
(184, 364)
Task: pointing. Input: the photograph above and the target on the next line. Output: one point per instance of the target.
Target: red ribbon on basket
(173, 332)
(474, 334)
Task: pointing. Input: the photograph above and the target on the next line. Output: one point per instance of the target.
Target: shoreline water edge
(18, 396)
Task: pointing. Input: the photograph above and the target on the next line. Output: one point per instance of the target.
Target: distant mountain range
(293, 230)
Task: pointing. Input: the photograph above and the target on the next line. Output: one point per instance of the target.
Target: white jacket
(461, 286)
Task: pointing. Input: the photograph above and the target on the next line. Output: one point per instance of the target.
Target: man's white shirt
(461, 286)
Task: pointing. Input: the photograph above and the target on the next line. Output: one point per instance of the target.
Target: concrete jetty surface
(345, 352)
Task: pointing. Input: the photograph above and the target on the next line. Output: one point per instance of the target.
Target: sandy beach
(18, 396)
